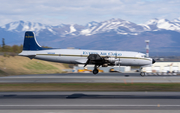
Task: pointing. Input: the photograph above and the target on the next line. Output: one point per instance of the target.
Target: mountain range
(113, 34)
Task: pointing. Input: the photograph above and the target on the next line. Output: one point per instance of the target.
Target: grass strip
(89, 87)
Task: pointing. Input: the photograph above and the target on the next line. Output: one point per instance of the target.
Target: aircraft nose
(153, 61)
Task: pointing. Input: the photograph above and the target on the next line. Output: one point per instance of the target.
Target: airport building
(163, 68)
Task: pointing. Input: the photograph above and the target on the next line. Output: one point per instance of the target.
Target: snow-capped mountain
(111, 34)
(117, 25)
(19, 26)
(157, 24)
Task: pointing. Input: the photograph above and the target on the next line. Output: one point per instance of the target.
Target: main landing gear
(95, 71)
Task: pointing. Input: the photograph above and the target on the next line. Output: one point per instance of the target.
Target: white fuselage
(75, 56)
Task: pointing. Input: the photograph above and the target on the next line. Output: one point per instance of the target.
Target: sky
(55, 12)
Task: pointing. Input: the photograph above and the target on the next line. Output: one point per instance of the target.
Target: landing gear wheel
(95, 71)
(142, 74)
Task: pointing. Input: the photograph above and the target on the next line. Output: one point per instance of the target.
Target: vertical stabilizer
(30, 42)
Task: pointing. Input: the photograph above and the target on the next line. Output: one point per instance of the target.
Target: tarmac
(90, 78)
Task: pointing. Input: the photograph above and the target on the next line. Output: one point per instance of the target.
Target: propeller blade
(86, 63)
(119, 65)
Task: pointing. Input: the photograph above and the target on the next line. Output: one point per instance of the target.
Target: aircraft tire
(142, 74)
(95, 71)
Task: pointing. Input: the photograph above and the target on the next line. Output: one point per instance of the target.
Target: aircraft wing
(82, 61)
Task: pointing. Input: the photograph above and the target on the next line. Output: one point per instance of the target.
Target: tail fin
(30, 42)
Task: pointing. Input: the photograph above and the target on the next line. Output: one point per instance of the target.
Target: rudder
(30, 42)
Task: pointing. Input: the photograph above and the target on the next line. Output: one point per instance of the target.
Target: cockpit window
(141, 55)
(144, 56)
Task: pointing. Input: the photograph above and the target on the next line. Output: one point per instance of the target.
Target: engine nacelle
(117, 62)
(112, 60)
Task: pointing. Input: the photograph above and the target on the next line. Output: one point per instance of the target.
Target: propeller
(119, 60)
(119, 64)
(86, 62)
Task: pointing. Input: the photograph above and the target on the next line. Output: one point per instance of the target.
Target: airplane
(98, 58)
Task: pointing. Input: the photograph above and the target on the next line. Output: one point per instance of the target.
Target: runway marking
(90, 105)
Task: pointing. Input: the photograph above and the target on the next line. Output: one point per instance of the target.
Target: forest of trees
(7, 48)
(12, 49)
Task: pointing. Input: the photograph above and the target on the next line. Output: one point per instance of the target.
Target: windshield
(141, 55)
(144, 56)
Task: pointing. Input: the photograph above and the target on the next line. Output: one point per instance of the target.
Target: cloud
(83, 11)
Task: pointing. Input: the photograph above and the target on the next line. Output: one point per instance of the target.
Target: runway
(89, 102)
(93, 101)
(90, 78)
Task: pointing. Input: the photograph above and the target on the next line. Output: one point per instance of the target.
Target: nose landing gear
(142, 74)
